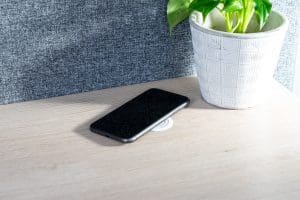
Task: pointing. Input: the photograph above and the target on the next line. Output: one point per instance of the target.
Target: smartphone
(139, 115)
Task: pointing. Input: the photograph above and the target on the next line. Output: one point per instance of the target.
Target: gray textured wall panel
(58, 47)
(287, 63)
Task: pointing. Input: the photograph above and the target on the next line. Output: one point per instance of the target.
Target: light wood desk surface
(47, 151)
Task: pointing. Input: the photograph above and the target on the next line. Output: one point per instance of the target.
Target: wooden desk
(47, 151)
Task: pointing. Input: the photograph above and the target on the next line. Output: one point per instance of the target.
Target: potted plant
(236, 47)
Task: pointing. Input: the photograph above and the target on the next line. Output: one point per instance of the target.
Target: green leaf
(262, 10)
(177, 11)
(233, 5)
(204, 6)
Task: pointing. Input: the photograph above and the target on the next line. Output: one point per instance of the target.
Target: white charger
(163, 126)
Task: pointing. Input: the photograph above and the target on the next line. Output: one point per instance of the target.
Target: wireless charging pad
(165, 125)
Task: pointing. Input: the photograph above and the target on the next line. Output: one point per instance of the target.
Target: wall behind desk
(58, 47)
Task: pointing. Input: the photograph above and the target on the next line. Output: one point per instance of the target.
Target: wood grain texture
(47, 151)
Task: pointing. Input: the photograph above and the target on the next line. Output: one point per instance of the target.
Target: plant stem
(238, 21)
(248, 14)
(245, 15)
(241, 17)
(228, 23)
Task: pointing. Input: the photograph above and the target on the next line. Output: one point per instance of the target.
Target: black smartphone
(139, 115)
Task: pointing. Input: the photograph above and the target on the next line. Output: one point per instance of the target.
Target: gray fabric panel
(287, 63)
(58, 47)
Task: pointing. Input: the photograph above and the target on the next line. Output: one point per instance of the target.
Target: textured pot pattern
(235, 70)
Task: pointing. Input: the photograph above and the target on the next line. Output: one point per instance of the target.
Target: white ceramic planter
(235, 70)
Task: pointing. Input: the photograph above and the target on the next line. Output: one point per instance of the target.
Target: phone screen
(139, 113)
